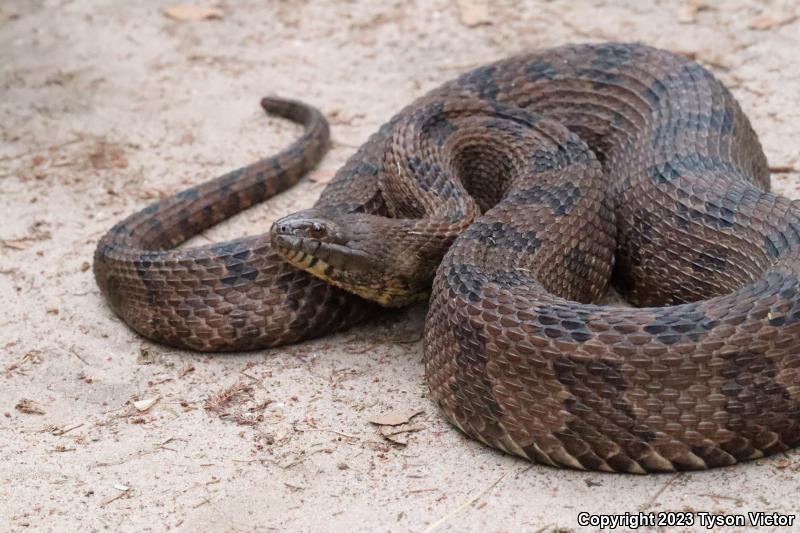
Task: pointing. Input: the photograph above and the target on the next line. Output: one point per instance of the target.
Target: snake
(512, 197)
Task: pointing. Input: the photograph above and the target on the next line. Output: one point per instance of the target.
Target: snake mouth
(315, 255)
(308, 239)
(332, 263)
(329, 257)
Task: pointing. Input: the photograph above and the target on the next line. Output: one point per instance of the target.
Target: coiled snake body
(525, 186)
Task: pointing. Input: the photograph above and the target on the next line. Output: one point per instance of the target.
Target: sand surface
(107, 106)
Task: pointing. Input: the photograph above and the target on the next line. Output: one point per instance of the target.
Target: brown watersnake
(526, 186)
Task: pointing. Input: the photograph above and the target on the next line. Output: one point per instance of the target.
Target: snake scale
(513, 196)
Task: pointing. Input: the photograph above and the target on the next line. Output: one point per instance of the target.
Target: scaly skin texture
(530, 183)
(229, 296)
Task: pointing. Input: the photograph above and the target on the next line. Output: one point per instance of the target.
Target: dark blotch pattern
(560, 199)
(502, 235)
(690, 165)
(510, 354)
(540, 70)
(776, 244)
(482, 81)
(599, 413)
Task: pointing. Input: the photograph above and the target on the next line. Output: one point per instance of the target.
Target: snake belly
(641, 168)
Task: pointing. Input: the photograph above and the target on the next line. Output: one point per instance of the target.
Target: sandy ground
(108, 105)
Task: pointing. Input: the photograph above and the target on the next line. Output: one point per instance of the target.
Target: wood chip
(186, 12)
(16, 244)
(473, 12)
(146, 403)
(395, 418)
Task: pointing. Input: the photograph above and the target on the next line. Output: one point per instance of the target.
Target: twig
(783, 168)
(660, 491)
(114, 498)
(325, 430)
(252, 379)
(63, 431)
(74, 352)
(205, 501)
(464, 505)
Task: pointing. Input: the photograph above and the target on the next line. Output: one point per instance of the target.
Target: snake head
(354, 251)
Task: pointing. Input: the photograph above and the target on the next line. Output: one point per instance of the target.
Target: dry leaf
(146, 403)
(322, 175)
(191, 12)
(395, 438)
(473, 12)
(768, 22)
(394, 419)
(28, 407)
